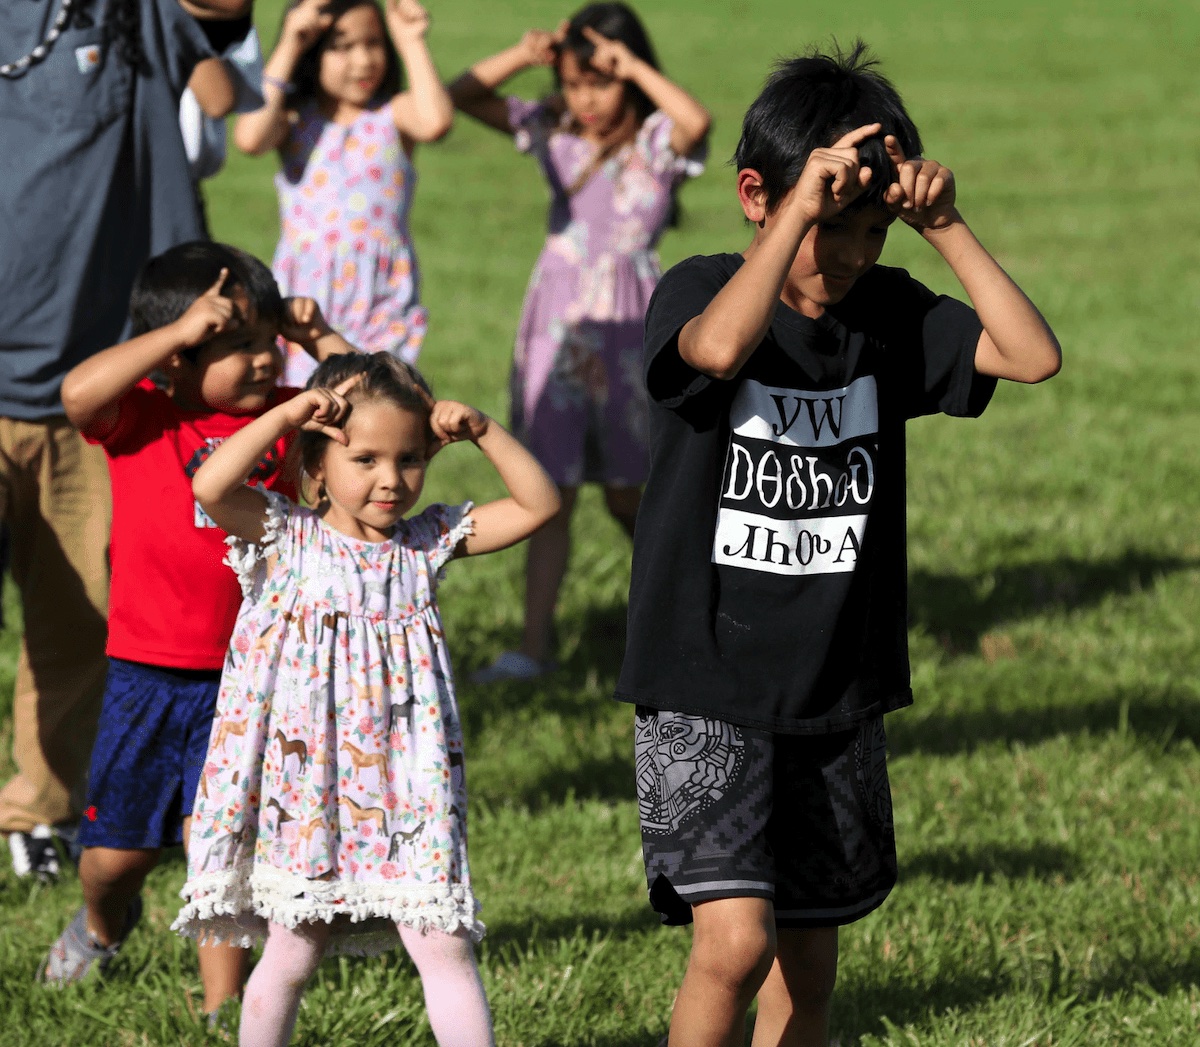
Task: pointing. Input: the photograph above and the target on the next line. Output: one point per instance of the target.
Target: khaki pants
(54, 494)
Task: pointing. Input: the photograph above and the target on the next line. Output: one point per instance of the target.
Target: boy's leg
(454, 996)
(273, 992)
(793, 1003)
(545, 568)
(733, 947)
(222, 966)
(55, 496)
(112, 878)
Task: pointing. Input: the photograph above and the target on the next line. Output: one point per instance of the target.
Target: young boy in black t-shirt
(767, 611)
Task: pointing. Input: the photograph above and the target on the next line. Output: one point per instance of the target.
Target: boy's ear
(752, 194)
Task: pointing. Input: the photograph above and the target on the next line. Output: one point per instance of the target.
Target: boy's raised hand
(452, 421)
(208, 315)
(923, 193)
(611, 57)
(832, 178)
(303, 322)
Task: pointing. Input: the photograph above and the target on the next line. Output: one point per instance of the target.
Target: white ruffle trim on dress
(463, 529)
(235, 905)
(244, 557)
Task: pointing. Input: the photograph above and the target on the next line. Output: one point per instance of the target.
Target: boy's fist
(923, 192)
(832, 178)
(452, 421)
(302, 322)
(208, 315)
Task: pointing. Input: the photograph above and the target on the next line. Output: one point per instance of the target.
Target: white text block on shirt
(828, 545)
(806, 419)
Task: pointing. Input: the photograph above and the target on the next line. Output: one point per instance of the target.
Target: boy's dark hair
(384, 377)
(615, 21)
(170, 282)
(306, 76)
(808, 103)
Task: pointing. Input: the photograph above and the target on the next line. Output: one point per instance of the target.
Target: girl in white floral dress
(332, 808)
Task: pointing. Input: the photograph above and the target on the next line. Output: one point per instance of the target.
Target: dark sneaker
(68, 835)
(76, 952)
(34, 854)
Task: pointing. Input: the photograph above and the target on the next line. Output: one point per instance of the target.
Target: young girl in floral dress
(346, 135)
(614, 143)
(332, 807)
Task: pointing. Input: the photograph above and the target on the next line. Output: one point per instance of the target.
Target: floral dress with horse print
(334, 788)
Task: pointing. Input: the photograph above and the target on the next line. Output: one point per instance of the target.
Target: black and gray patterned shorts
(733, 812)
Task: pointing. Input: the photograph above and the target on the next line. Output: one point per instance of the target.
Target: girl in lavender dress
(614, 143)
(346, 134)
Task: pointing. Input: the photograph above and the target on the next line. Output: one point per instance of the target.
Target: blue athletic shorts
(149, 753)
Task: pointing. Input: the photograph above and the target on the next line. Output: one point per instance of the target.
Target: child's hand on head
(611, 57)
(322, 410)
(302, 321)
(923, 193)
(208, 315)
(540, 46)
(305, 23)
(407, 20)
(832, 178)
(452, 422)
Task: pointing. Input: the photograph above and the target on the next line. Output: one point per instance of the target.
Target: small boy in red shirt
(207, 317)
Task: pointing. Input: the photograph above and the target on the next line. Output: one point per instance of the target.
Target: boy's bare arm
(721, 339)
(93, 389)
(1017, 344)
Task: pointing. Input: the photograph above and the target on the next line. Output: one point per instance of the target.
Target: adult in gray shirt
(93, 181)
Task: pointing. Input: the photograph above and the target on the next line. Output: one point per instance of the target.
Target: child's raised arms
(532, 496)
(474, 91)
(424, 112)
(220, 483)
(1016, 344)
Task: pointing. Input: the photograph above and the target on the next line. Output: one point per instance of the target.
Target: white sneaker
(34, 854)
(512, 665)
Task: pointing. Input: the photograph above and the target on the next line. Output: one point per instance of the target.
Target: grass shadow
(960, 610)
(992, 861)
(1163, 718)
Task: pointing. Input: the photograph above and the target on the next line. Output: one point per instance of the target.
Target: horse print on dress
(402, 837)
(283, 815)
(293, 747)
(362, 814)
(361, 759)
(405, 710)
(227, 728)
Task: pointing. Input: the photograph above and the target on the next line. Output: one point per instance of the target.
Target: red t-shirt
(172, 601)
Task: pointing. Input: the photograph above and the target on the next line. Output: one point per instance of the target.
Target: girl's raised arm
(689, 119)
(424, 112)
(533, 499)
(220, 483)
(474, 91)
(266, 128)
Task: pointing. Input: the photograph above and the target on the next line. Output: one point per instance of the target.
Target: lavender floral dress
(334, 787)
(577, 397)
(344, 198)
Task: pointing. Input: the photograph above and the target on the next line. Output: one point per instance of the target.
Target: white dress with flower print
(334, 787)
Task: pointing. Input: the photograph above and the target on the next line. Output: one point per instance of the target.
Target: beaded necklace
(20, 67)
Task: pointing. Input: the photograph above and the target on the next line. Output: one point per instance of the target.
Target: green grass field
(1047, 781)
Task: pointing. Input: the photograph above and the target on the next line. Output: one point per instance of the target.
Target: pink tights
(454, 997)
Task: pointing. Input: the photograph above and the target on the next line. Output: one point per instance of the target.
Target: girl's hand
(452, 421)
(303, 322)
(208, 315)
(611, 57)
(832, 178)
(923, 193)
(304, 23)
(540, 46)
(408, 21)
(322, 410)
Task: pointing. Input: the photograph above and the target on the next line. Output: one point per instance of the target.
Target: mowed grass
(1047, 783)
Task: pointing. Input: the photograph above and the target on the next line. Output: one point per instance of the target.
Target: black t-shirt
(769, 567)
